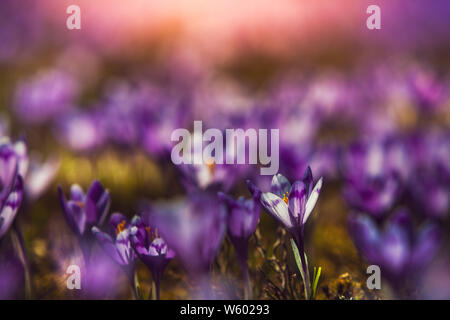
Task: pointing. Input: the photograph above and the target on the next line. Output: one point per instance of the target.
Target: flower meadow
(87, 180)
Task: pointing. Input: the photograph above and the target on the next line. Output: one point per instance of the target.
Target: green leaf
(303, 273)
(317, 273)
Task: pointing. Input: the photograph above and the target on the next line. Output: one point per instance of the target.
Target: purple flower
(11, 187)
(429, 186)
(193, 228)
(370, 183)
(427, 89)
(116, 243)
(398, 249)
(291, 205)
(82, 131)
(243, 216)
(36, 175)
(46, 95)
(83, 211)
(151, 249)
(206, 174)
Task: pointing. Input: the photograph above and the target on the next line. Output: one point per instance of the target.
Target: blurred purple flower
(429, 185)
(398, 249)
(151, 249)
(36, 175)
(20, 29)
(96, 279)
(243, 216)
(193, 228)
(45, 96)
(82, 131)
(370, 183)
(83, 211)
(427, 89)
(116, 243)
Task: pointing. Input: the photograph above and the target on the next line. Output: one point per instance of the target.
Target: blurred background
(102, 102)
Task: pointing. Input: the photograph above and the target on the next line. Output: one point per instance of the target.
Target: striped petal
(12, 203)
(297, 201)
(312, 200)
(277, 208)
(108, 245)
(280, 185)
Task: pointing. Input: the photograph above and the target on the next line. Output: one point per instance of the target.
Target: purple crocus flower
(398, 249)
(11, 186)
(243, 216)
(427, 89)
(82, 131)
(206, 174)
(83, 211)
(45, 96)
(291, 205)
(117, 245)
(152, 250)
(371, 184)
(116, 242)
(194, 229)
(37, 175)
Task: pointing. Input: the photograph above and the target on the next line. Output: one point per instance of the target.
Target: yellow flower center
(211, 165)
(151, 235)
(286, 197)
(121, 227)
(80, 204)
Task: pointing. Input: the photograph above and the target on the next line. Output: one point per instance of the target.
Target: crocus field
(86, 175)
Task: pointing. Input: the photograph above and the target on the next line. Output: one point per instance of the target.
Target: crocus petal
(395, 251)
(20, 149)
(254, 190)
(426, 245)
(312, 200)
(277, 208)
(158, 247)
(66, 211)
(308, 179)
(124, 248)
(78, 215)
(170, 254)
(94, 194)
(9, 209)
(107, 244)
(76, 193)
(365, 235)
(40, 178)
(297, 202)
(8, 172)
(280, 185)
